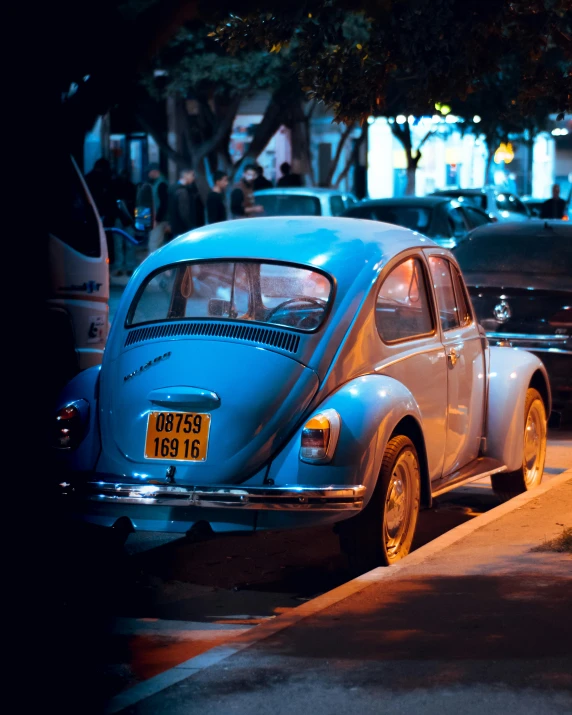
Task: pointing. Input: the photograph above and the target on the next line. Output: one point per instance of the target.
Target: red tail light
(562, 319)
(69, 429)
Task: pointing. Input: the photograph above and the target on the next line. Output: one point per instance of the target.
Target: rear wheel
(529, 475)
(382, 534)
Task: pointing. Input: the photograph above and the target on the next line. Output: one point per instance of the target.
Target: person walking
(216, 205)
(160, 188)
(182, 204)
(288, 178)
(261, 182)
(242, 202)
(554, 207)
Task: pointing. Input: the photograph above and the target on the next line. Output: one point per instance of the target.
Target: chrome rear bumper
(300, 498)
(556, 344)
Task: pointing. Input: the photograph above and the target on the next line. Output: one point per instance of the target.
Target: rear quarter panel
(511, 372)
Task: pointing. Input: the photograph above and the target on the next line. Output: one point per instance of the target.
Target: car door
(407, 323)
(465, 361)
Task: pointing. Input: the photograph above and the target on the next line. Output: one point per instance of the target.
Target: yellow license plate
(177, 436)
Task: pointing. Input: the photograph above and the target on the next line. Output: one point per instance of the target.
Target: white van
(78, 292)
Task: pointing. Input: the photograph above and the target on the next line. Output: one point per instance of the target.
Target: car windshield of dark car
(289, 205)
(263, 292)
(536, 254)
(417, 218)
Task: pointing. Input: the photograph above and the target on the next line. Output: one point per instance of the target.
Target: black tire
(508, 485)
(383, 532)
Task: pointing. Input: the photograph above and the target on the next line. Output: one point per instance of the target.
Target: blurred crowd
(179, 207)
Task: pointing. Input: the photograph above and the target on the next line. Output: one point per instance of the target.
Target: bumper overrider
(285, 498)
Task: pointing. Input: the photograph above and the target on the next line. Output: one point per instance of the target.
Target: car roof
(533, 227)
(460, 192)
(427, 201)
(342, 247)
(302, 191)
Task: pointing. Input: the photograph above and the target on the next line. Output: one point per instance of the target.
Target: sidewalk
(477, 621)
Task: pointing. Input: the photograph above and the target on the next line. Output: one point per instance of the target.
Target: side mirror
(144, 209)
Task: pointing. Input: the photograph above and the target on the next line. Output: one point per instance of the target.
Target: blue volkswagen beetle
(291, 372)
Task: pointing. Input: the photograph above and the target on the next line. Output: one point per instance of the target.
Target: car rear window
(497, 253)
(416, 218)
(272, 293)
(289, 205)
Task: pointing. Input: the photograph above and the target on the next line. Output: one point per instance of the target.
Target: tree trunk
(411, 171)
(353, 157)
(273, 118)
(336, 160)
(488, 165)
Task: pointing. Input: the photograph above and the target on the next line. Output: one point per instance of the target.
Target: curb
(265, 630)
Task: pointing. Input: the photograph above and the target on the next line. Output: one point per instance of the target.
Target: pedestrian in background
(554, 207)
(160, 188)
(242, 202)
(261, 182)
(182, 204)
(288, 178)
(216, 204)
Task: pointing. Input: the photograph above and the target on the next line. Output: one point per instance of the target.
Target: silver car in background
(304, 201)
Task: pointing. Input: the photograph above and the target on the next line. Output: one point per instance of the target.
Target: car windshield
(417, 218)
(289, 205)
(494, 253)
(280, 294)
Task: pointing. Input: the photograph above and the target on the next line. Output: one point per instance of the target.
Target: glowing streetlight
(401, 119)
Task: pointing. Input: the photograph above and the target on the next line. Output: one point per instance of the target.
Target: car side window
(443, 284)
(337, 206)
(476, 217)
(456, 222)
(463, 302)
(403, 309)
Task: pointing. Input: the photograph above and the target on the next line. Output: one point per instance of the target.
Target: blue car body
(257, 383)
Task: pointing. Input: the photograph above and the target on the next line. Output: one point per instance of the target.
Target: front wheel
(529, 475)
(382, 534)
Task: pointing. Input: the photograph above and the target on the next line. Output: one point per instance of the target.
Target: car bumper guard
(331, 498)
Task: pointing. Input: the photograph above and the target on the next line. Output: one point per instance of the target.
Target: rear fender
(511, 373)
(370, 407)
(84, 386)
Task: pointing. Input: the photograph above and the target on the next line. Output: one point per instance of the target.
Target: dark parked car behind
(519, 276)
(440, 218)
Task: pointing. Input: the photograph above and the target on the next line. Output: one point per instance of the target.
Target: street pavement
(478, 623)
(183, 598)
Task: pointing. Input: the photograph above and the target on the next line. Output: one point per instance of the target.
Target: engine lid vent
(280, 339)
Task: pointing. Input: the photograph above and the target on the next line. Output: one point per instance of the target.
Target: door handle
(452, 357)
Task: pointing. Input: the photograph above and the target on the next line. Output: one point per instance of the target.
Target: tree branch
(353, 156)
(334, 163)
